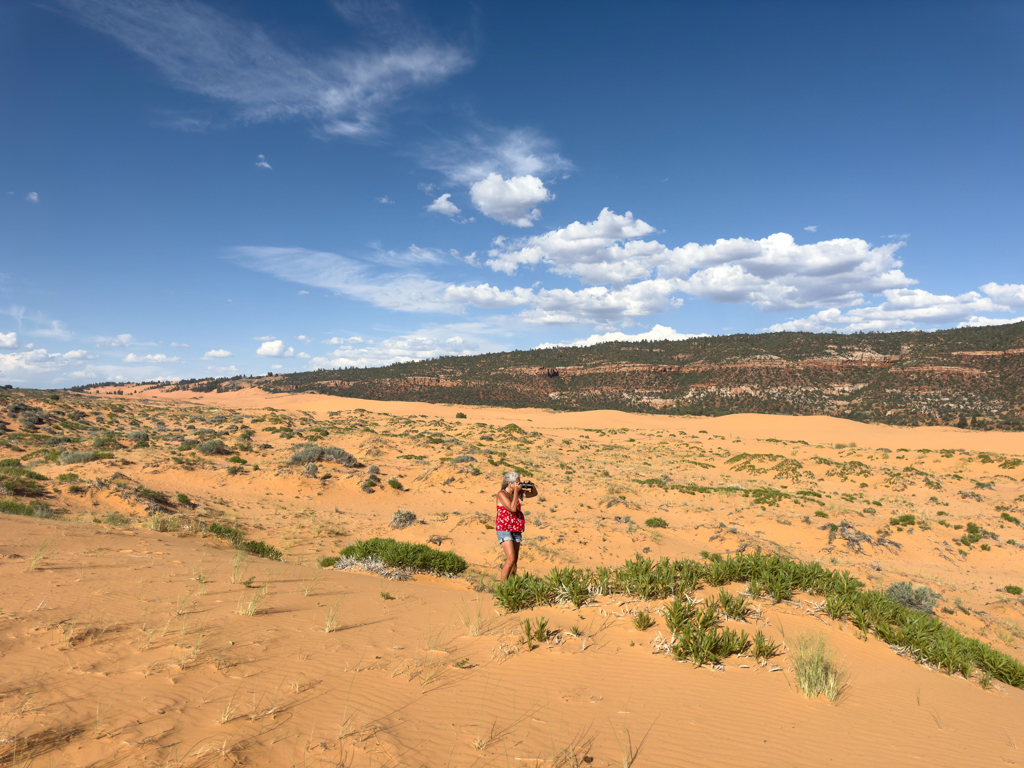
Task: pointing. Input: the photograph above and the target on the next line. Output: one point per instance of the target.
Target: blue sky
(240, 186)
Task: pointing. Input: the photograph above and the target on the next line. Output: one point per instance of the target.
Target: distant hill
(966, 376)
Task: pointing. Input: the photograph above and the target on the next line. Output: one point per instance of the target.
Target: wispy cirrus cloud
(204, 51)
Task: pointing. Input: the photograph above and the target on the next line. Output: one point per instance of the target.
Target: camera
(528, 486)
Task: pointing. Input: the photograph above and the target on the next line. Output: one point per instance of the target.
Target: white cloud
(510, 201)
(17, 365)
(303, 339)
(657, 333)
(131, 357)
(303, 293)
(1011, 294)
(444, 206)
(261, 162)
(508, 153)
(204, 51)
(812, 228)
(121, 340)
(771, 273)
(9, 340)
(562, 306)
(902, 309)
(32, 197)
(895, 237)
(264, 338)
(303, 355)
(975, 321)
(275, 349)
(55, 331)
(214, 354)
(176, 345)
(386, 200)
(420, 345)
(276, 367)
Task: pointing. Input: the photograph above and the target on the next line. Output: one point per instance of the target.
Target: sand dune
(125, 644)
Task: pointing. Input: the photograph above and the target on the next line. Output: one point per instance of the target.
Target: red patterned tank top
(510, 521)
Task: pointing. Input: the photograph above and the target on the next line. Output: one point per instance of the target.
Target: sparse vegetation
(815, 668)
(408, 557)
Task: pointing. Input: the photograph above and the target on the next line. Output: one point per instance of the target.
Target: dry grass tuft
(817, 671)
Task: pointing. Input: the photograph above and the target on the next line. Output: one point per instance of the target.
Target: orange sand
(124, 646)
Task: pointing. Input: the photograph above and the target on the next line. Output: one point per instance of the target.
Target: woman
(509, 522)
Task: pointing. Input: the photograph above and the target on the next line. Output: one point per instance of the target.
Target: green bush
(213, 448)
(920, 599)
(1013, 590)
(395, 484)
(237, 539)
(260, 549)
(237, 460)
(184, 500)
(460, 415)
(903, 520)
(409, 557)
(77, 457)
(327, 562)
(21, 481)
(656, 522)
(311, 453)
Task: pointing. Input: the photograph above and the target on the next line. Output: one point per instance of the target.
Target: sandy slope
(124, 646)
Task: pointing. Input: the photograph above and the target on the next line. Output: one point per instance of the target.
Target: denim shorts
(504, 536)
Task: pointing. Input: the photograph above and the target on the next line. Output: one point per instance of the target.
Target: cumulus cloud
(176, 345)
(9, 340)
(772, 273)
(261, 162)
(812, 228)
(518, 152)
(420, 345)
(1011, 294)
(204, 51)
(16, 365)
(32, 197)
(975, 321)
(902, 309)
(657, 333)
(445, 206)
(131, 357)
(215, 354)
(510, 201)
(275, 349)
(304, 339)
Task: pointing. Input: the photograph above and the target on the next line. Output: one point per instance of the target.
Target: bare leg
(511, 559)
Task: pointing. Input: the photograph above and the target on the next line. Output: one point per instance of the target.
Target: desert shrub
(460, 415)
(261, 549)
(463, 458)
(139, 437)
(115, 518)
(403, 519)
(921, 599)
(150, 495)
(12, 507)
(67, 477)
(213, 447)
(409, 557)
(188, 443)
(21, 481)
(815, 667)
(327, 562)
(106, 440)
(184, 500)
(237, 460)
(58, 440)
(234, 535)
(903, 520)
(234, 469)
(77, 457)
(656, 522)
(1013, 590)
(395, 483)
(310, 469)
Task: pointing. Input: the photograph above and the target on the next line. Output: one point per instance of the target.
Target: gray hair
(509, 477)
